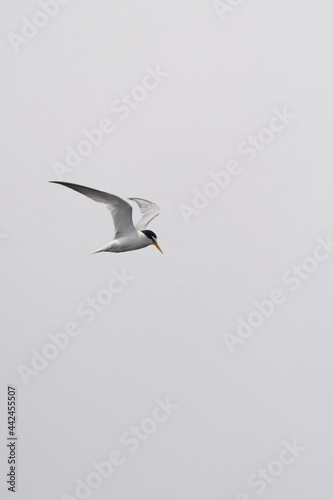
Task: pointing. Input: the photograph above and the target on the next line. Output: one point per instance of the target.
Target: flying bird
(127, 236)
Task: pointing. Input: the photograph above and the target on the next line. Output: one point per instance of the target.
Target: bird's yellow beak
(157, 246)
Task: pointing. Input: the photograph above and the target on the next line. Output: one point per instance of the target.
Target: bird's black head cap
(150, 234)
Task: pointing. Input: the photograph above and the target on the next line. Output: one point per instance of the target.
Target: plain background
(163, 335)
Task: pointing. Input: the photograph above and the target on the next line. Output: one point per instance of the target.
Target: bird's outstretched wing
(120, 210)
(148, 209)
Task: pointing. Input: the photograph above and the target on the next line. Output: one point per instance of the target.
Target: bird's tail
(100, 250)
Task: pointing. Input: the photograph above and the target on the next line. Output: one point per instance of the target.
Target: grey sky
(220, 81)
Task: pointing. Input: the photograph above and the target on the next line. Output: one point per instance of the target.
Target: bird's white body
(127, 243)
(127, 236)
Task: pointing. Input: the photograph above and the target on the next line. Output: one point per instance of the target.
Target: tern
(127, 236)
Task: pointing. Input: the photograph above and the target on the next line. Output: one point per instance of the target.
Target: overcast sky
(204, 372)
